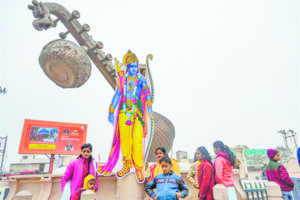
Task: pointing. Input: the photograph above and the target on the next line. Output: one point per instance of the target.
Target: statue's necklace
(130, 87)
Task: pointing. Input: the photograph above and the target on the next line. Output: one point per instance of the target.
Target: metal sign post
(289, 137)
(51, 163)
(3, 141)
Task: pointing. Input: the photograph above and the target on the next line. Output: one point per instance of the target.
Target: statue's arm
(113, 105)
(116, 98)
(147, 91)
(145, 88)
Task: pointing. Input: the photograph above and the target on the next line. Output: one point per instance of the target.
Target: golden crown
(129, 58)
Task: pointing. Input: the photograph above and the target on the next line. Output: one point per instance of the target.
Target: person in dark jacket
(205, 173)
(169, 186)
(278, 174)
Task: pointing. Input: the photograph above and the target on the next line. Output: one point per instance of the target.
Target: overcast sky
(223, 70)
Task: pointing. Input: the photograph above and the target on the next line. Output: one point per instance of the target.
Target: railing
(254, 189)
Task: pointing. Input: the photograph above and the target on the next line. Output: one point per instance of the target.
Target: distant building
(182, 157)
(38, 164)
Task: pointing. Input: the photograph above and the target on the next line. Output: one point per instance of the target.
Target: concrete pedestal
(129, 189)
(48, 187)
(240, 157)
(274, 192)
(293, 168)
(220, 192)
(23, 195)
(88, 195)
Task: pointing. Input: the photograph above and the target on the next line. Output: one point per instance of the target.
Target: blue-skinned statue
(131, 114)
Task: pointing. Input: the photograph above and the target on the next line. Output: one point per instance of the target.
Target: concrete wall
(47, 187)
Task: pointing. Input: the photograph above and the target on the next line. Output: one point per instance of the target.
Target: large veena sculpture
(69, 65)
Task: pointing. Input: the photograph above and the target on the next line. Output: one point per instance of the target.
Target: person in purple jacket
(73, 178)
(277, 173)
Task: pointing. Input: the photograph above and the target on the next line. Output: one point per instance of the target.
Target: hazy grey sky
(223, 70)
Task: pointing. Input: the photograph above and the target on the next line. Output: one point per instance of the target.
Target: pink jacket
(223, 170)
(74, 172)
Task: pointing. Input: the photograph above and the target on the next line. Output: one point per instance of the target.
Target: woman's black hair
(162, 149)
(225, 149)
(165, 159)
(205, 154)
(87, 145)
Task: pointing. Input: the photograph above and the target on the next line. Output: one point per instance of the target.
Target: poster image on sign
(69, 147)
(46, 137)
(42, 134)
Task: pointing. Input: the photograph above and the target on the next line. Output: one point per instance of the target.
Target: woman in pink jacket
(77, 170)
(223, 164)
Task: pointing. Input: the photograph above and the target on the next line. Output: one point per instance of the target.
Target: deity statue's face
(132, 69)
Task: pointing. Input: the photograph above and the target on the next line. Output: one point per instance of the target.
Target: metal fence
(254, 189)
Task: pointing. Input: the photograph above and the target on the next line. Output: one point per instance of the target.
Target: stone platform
(47, 187)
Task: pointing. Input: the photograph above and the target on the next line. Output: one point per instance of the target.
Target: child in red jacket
(205, 175)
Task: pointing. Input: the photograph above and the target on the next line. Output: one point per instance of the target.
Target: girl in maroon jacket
(205, 175)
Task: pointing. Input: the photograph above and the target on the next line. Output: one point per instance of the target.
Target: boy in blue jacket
(169, 186)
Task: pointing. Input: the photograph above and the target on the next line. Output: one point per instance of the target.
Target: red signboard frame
(46, 137)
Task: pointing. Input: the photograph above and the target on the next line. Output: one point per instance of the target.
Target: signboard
(255, 152)
(45, 137)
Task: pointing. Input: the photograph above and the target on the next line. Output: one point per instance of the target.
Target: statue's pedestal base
(47, 187)
(129, 189)
(23, 195)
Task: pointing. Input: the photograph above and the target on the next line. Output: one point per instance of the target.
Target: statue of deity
(131, 114)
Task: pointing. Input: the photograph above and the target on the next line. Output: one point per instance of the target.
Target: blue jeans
(287, 195)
